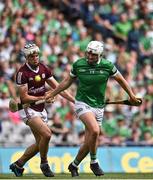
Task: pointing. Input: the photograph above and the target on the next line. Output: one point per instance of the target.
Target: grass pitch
(111, 176)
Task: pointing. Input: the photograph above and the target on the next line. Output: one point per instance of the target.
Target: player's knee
(95, 132)
(47, 135)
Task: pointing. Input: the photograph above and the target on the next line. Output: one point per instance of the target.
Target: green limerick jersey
(92, 80)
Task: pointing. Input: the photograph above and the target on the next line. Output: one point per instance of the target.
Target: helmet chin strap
(99, 58)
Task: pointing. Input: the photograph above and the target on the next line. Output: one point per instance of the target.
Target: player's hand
(48, 97)
(135, 100)
(13, 105)
(17, 99)
(50, 100)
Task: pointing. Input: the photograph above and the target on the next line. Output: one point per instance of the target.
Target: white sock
(93, 161)
(74, 164)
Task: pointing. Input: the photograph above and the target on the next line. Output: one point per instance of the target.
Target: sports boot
(18, 171)
(73, 170)
(46, 170)
(96, 169)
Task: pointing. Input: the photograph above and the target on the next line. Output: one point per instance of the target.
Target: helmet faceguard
(30, 49)
(95, 47)
(31, 52)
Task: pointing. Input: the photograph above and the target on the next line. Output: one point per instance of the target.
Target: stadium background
(62, 29)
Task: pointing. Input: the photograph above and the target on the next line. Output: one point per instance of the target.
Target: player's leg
(89, 117)
(30, 151)
(93, 127)
(17, 167)
(90, 144)
(39, 126)
(83, 151)
(28, 154)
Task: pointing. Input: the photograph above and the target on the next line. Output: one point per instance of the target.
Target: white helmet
(96, 47)
(30, 49)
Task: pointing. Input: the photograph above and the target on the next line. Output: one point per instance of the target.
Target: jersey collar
(36, 71)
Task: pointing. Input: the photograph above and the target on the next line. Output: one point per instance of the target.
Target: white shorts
(28, 113)
(81, 108)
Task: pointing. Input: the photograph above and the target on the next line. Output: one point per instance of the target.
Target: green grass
(83, 176)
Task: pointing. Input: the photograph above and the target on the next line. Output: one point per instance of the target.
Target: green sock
(76, 162)
(93, 158)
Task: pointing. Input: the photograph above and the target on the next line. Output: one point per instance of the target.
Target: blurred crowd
(62, 30)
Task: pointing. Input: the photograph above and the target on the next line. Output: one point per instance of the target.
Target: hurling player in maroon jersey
(31, 79)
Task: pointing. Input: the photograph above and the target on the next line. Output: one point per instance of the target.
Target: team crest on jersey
(82, 70)
(37, 78)
(43, 75)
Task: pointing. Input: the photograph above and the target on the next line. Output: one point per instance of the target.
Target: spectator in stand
(134, 36)
(122, 28)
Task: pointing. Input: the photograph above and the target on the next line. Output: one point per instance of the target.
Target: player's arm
(22, 84)
(58, 88)
(25, 97)
(12, 89)
(54, 84)
(124, 84)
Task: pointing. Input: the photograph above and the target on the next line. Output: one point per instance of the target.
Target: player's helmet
(96, 47)
(30, 49)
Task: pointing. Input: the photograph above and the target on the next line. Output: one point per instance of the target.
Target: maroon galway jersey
(35, 80)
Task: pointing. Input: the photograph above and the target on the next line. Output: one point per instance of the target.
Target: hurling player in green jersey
(93, 72)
